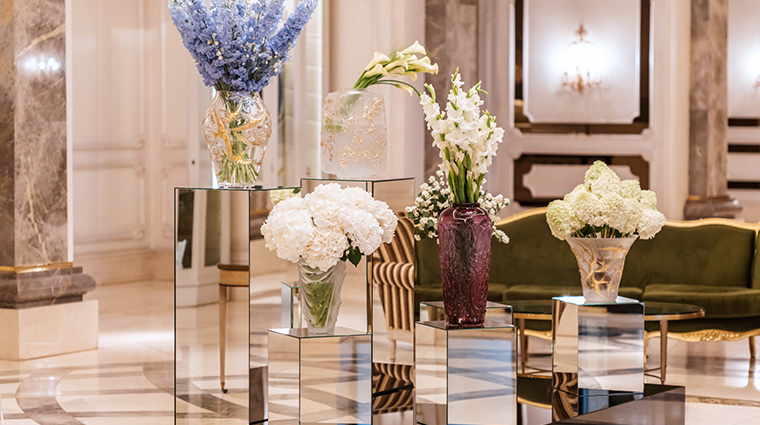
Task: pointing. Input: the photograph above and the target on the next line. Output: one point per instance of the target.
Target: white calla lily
(415, 49)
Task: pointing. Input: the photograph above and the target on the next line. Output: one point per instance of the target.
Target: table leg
(752, 348)
(663, 349)
(523, 348)
(222, 333)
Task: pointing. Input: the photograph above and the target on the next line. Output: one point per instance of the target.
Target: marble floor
(130, 378)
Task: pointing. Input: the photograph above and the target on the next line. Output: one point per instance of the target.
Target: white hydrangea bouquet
(435, 196)
(467, 138)
(328, 225)
(320, 232)
(605, 207)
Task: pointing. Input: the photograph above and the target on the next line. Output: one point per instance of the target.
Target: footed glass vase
(237, 127)
(600, 262)
(320, 296)
(464, 235)
(354, 134)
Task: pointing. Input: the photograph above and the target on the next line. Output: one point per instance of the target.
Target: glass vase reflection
(464, 234)
(320, 296)
(237, 126)
(600, 262)
(354, 134)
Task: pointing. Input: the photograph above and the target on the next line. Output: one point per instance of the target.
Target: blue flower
(236, 44)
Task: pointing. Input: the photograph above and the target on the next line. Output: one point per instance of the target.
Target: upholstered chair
(393, 272)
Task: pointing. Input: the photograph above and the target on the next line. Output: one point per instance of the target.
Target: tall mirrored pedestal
(226, 291)
(320, 378)
(465, 376)
(388, 302)
(598, 351)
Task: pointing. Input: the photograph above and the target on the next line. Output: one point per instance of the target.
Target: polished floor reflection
(129, 379)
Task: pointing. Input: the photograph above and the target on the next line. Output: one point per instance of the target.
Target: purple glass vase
(464, 235)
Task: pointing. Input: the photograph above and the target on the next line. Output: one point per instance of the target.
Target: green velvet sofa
(713, 263)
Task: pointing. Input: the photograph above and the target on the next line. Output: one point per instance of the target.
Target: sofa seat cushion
(718, 301)
(534, 292)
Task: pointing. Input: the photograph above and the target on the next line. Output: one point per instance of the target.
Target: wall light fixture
(582, 62)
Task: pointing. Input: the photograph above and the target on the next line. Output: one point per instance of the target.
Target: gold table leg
(752, 348)
(663, 349)
(222, 332)
(523, 347)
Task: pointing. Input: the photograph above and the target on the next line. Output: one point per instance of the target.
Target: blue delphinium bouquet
(236, 44)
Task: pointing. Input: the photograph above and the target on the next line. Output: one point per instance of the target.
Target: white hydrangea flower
(604, 206)
(586, 207)
(562, 221)
(323, 226)
(648, 199)
(614, 212)
(651, 223)
(630, 189)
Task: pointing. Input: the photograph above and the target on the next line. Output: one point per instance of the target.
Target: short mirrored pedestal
(598, 349)
(432, 311)
(320, 378)
(466, 375)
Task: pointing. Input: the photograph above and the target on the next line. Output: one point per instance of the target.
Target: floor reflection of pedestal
(598, 354)
(465, 376)
(320, 378)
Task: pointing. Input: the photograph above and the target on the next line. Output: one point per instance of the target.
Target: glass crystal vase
(464, 235)
(237, 127)
(354, 134)
(600, 262)
(320, 296)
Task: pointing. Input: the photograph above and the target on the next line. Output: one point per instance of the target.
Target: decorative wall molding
(540, 179)
(568, 41)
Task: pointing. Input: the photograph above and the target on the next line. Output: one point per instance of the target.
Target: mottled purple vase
(464, 235)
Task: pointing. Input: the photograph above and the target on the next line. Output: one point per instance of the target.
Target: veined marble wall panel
(33, 67)
(612, 56)
(743, 59)
(113, 210)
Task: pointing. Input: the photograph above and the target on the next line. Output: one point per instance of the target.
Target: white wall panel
(613, 28)
(744, 59)
(113, 204)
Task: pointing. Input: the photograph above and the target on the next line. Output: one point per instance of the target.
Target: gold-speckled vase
(600, 262)
(237, 127)
(354, 134)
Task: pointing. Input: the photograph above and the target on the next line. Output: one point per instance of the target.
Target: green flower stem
(232, 171)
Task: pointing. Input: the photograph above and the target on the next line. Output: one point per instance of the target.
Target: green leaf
(354, 255)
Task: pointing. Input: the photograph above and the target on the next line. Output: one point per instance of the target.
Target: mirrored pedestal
(432, 311)
(320, 378)
(465, 376)
(291, 304)
(598, 350)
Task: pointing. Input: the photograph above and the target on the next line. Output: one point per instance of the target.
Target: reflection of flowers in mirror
(583, 63)
(40, 64)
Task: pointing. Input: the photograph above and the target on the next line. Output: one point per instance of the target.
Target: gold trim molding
(710, 335)
(37, 268)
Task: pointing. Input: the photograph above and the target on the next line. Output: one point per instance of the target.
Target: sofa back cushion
(711, 254)
(532, 257)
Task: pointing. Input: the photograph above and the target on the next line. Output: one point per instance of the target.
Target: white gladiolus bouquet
(605, 207)
(467, 139)
(435, 196)
(328, 225)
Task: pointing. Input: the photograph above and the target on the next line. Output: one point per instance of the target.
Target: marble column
(35, 271)
(451, 38)
(708, 143)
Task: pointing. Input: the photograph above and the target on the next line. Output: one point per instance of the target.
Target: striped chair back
(393, 270)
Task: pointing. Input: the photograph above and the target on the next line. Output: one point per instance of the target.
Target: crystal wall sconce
(582, 64)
